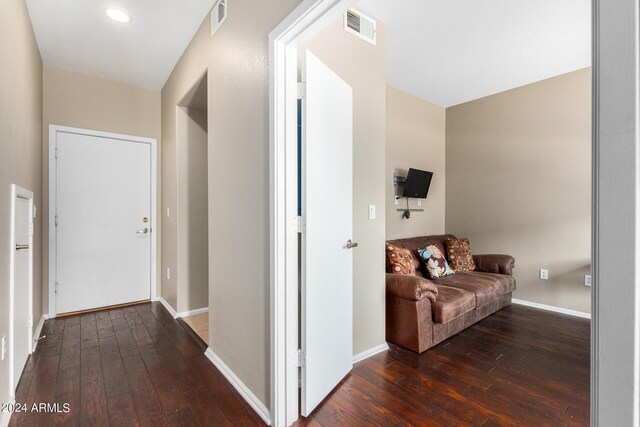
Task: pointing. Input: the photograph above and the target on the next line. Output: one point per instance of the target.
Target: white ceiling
(76, 34)
(453, 51)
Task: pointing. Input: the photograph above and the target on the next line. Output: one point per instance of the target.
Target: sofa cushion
(451, 303)
(415, 243)
(400, 260)
(434, 263)
(485, 286)
(459, 255)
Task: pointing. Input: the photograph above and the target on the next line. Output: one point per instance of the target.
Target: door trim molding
(22, 193)
(53, 133)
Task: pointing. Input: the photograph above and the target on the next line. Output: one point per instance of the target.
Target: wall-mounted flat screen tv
(417, 184)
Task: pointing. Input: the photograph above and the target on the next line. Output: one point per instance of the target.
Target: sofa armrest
(494, 263)
(412, 288)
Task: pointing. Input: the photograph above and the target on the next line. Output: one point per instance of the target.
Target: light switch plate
(372, 211)
(3, 351)
(544, 274)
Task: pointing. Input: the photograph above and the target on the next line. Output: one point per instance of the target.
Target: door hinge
(300, 224)
(302, 90)
(55, 290)
(301, 358)
(56, 152)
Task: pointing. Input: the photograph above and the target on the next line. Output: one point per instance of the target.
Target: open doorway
(570, 274)
(193, 199)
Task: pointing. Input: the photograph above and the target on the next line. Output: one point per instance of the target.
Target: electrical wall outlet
(587, 280)
(3, 351)
(544, 274)
(396, 200)
(419, 202)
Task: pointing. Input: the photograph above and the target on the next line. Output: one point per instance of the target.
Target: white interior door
(103, 208)
(21, 298)
(327, 270)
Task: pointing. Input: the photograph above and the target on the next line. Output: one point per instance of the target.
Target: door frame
(307, 19)
(153, 224)
(21, 193)
(616, 172)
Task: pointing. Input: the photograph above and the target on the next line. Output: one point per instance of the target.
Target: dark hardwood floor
(133, 366)
(520, 366)
(137, 366)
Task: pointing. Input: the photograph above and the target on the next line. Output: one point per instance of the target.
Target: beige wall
(20, 148)
(238, 157)
(193, 267)
(415, 139)
(89, 102)
(519, 182)
(363, 66)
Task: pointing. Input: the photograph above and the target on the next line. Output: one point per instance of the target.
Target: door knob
(143, 231)
(351, 245)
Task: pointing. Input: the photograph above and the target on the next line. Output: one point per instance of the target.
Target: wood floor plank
(88, 331)
(121, 411)
(103, 324)
(168, 391)
(126, 341)
(115, 377)
(143, 394)
(93, 399)
(205, 409)
(183, 418)
(70, 353)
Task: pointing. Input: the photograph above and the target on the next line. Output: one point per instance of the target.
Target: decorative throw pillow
(400, 260)
(459, 254)
(434, 262)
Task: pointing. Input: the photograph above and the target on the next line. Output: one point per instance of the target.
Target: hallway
(126, 367)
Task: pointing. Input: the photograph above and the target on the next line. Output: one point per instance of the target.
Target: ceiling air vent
(218, 15)
(361, 25)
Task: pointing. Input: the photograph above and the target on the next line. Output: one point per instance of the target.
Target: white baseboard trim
(192, 312)
(6, 416)
(552, 308)
(167, 306)
(244, 391)
(372, 351)
(36, 333)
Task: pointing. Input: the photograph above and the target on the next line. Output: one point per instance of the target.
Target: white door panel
(327, 278)
(103, 194)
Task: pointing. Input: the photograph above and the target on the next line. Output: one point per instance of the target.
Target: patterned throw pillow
(400, 260)
(459, 254)
(434, 262)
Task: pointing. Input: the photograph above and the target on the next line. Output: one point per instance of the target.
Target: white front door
(103, 215)
(327, 270)
(22, 279)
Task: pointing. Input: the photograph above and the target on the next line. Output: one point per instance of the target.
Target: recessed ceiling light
(117, 15)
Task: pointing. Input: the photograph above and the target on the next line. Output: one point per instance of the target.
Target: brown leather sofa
(423, 312)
